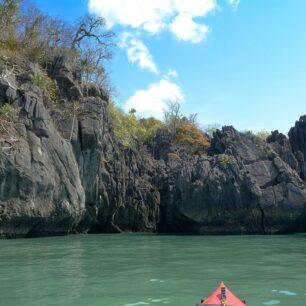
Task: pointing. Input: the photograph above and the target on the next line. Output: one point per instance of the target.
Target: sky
(233, 62)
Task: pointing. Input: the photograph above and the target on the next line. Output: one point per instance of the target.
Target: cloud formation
(153, 100)
(137, 52)
(172, 74)
(153, 16)
(186, 29)
(234, 4)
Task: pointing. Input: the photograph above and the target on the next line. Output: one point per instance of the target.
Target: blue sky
(240, 63)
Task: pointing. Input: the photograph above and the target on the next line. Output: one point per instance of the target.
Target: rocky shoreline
(62, 171)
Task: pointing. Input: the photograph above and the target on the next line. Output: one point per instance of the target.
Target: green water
(119, 270)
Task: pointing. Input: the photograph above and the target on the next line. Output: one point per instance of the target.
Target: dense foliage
(184, 132)
(27, 32)
(191, 137)
(127, 128)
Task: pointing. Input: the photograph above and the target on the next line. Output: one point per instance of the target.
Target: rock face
(244, 187)
(62, 171)
(40, 188)
(297, 136)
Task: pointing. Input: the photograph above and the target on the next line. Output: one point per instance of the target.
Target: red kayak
(222, 296)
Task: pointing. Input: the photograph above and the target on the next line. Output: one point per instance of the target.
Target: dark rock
(8, 87)
(243, 189)
(41, 192)
(281, 145)
(65, 172)
(67, 75)
(297, 137)
(163, 144)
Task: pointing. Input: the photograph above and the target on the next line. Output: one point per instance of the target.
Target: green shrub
(39, 80)
(148, 129)
(225, 159)
(119, 125)
(7, 112)
(263, 135)
(270, 152)
(8, 117)
(47, 85)
(231, 141)
(127, 128)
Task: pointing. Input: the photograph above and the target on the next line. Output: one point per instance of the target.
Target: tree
(149, 128)
(28, 32)
(94, 45)
(132, 111)
(172, 117)
(192, 138)
(9, 14)
(90, 27)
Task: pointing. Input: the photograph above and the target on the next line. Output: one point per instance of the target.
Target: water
(130, 270)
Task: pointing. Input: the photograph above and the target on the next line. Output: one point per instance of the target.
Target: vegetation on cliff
(184, 133)
(78, 163)
(28, 34)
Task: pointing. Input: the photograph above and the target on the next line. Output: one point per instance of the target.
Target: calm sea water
(131, 269)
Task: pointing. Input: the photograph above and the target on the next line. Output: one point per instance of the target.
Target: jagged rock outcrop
(40, 189)
(245, 187)
(297, 136)
(62, 170)
(117, 181)
(128, 199)
(281, 145)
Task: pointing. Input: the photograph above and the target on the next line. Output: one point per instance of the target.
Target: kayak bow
(222, 296)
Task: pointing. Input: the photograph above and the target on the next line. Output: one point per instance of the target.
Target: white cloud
(133, 13)
(234, 4)
(154, 27)
(195, 8)
(153, 101)
(137, 52)
(184, 28)
(172, 73)
(156, 15)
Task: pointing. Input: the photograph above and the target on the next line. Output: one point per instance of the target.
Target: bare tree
(192, 118)
(94, 44)
(172, 117)
(36, 36)
(92, 27)
(8, 18)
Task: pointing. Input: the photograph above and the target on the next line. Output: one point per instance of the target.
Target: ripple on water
(156, 280)
(288, 293)
(137, 303)
(272, 302)
(152, 300)
(163, 300)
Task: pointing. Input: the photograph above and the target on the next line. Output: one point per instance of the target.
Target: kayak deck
(222, 296)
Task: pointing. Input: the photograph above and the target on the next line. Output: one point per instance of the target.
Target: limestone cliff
(63, 171)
